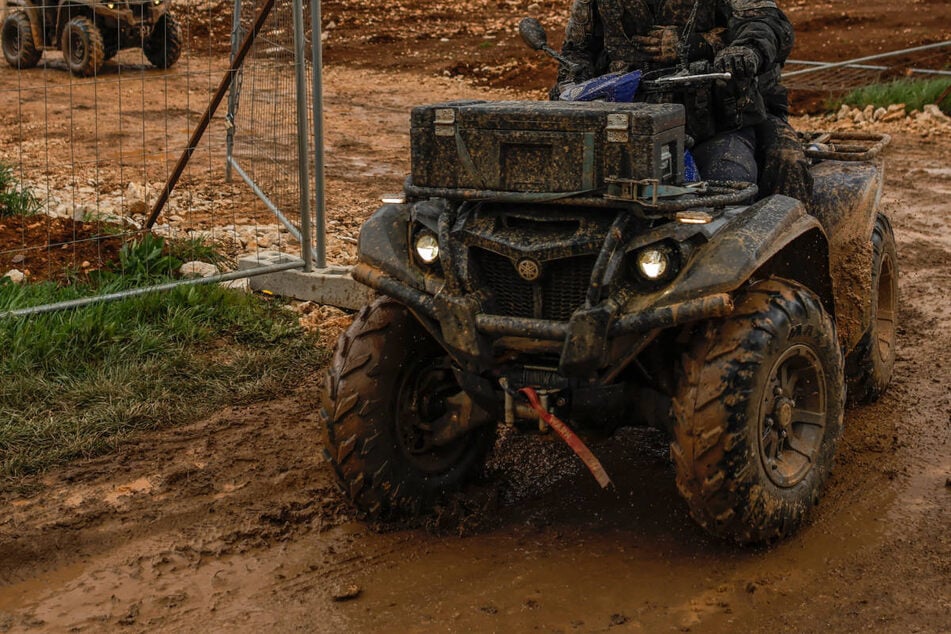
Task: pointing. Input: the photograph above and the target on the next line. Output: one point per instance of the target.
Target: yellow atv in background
(89, 33)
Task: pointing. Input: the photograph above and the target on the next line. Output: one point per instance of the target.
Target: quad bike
(548, 262)
(89, 32)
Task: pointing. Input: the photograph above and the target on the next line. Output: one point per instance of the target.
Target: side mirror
(533, 33)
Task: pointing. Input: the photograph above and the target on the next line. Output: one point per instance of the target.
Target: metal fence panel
(90, 154)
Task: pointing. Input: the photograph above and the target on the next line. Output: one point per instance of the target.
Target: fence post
(303, 156)
(317, 45)
(237, 35)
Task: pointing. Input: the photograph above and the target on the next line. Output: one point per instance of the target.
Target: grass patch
(15, 200)
(76, 383)
(915, 94)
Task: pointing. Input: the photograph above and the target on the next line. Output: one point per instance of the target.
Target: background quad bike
(88, 34)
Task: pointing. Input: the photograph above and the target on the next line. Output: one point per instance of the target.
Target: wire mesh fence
(99, 100)
(924, 62)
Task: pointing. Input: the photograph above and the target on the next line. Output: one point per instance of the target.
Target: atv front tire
(163, 46)
(82, 47)
(757, 414)
(869, 366)
(388, 381)
(16, 39)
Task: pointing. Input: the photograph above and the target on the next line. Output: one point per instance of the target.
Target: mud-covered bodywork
(528, 277)
(553, 262)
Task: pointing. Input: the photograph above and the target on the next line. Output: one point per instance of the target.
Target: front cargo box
(537, 146)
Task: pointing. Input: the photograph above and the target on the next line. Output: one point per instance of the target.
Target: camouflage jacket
(599, 39)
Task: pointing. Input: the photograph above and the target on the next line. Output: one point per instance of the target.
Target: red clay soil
(57, 249)
(478, 40)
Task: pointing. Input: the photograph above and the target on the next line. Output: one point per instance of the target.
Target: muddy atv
(89, 32)
(548, 267)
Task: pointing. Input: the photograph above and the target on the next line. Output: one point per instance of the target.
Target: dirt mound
(59, 249)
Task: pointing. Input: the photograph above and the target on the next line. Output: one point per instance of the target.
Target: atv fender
(384, 244)
(846, 201)
(775, 236)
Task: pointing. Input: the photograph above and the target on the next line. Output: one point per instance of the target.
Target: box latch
(445, 123)
(617, 128)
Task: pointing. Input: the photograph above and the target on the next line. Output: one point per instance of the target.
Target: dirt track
(233, 523)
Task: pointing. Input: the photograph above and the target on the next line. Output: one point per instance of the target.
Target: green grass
(15, 200)
(915, 94)
(76, 383)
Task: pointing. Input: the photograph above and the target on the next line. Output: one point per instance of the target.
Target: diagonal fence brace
(199, 131)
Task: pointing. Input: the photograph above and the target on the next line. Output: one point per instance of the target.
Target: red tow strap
(594, 465)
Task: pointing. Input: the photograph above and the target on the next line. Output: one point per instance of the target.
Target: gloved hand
(662, 43)
(742, 61)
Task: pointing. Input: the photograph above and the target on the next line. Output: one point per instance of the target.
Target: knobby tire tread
(711, 445)
(355, 446)
(866, 379)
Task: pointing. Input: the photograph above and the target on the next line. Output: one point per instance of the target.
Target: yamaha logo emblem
(528, 269)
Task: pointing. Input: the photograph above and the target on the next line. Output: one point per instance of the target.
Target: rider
(734, 122)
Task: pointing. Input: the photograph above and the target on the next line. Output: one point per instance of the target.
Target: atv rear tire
(163, 46)
(388, 379)
(757, 414)
(16, 38)
(869, 366)
(82, 47)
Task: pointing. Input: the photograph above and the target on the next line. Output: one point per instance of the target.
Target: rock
(844, 113)
(19, 258)
(935, 112)
(346, 592)
(894, 115)
(879, 114)
(869, 112)
(243, 285)
(858, 116)
(135, 191)
(138, 207)
(16, 276)
(81, 213)
(198, 269)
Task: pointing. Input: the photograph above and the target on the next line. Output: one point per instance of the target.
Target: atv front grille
(559, 291)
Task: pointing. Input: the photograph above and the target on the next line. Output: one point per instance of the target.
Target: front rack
(844, 146)
(643, 197)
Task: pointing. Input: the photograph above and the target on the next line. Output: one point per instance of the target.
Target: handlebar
(689, 79)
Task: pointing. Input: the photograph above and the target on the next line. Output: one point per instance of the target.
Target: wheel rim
(77, 47)
(793, 416)
(885, 313)
(421, 401)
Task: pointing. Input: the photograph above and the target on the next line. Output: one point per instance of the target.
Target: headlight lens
(427, 247)
(653, 263)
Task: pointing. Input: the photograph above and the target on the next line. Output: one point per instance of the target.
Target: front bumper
(467, 330)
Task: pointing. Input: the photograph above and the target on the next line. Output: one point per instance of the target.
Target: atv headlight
(653, 263)
(427, 247)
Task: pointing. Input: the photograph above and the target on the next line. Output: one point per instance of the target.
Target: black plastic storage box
(539, 146)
